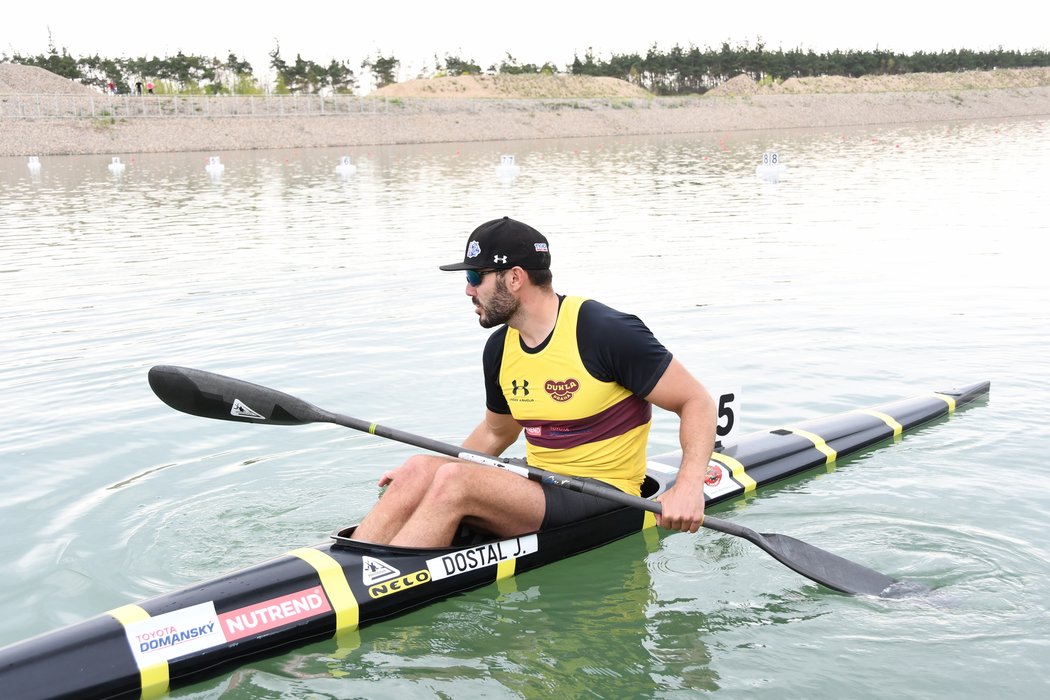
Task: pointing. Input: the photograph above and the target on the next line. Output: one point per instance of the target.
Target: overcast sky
(538, 31)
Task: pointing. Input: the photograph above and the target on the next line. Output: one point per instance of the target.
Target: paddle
(211, 395)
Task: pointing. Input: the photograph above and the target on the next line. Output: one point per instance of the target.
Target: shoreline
(85, 136)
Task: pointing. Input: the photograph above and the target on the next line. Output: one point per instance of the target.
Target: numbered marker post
(771, 168)
(728, 416)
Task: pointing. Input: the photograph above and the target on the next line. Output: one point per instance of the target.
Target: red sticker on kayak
(253, 620)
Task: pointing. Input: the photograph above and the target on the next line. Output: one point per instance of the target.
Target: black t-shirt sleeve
(615, 347)
(618, 347)
(495, 401)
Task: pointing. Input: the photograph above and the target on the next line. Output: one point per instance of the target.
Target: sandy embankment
(738, 105)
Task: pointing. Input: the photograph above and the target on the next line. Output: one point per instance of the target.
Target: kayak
(333, 588)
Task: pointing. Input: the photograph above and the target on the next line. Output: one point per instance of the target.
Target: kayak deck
(333, 588)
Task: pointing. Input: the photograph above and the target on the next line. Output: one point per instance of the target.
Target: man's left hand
(683, 506)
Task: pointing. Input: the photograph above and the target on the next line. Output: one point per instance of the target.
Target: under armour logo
(499, 259)
(524, 387)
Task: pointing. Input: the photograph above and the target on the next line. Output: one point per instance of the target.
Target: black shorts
(567, 506)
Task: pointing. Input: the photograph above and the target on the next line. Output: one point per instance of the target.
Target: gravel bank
(714, 112)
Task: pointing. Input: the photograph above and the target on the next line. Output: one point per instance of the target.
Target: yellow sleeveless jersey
(574, 423)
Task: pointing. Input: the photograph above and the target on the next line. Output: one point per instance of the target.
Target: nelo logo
(399, 584)
(713, 475)
(562, 391)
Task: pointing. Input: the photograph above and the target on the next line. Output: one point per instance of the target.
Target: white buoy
(345, 167)
(115, 166)
(34, 164)
(771, 169)
(214, 167)
(507, 168)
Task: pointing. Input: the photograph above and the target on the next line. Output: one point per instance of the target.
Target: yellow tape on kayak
(950, 400)
(333, 580)
(885, 418)
(505, 569)
(818, 442)
(153, 679)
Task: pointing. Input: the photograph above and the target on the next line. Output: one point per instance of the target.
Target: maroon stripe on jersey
(613, 421)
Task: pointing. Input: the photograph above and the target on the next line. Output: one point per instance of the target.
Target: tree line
(675, 72)
(684, 71)
(193, 74)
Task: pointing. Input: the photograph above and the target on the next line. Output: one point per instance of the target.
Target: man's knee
(422, 465)
(451, 484)
(414, 475)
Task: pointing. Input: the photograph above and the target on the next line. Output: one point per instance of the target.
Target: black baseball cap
(504, 243)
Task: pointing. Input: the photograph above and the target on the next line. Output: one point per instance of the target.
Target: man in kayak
(580, 378)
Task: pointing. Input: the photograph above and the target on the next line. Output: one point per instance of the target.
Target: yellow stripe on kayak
(950, 400)
(885, 418)
(649, 520)
(153, 679)
(333, 580)
(740, 475)
(505, 569)
(818, 442)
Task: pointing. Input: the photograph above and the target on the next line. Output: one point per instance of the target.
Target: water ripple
(885, 265)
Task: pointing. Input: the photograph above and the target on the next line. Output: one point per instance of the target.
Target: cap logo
(541, 248)
(502, 259)
(473, 250)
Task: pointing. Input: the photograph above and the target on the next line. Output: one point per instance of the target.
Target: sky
(537, 31)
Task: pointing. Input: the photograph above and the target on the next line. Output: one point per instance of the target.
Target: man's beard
(500, 308)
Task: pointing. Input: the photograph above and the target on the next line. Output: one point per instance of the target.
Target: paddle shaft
(211, 395)
(591, 487)
(812, 562)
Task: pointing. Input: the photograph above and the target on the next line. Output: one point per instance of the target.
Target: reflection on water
(886, 262)
(536, 640)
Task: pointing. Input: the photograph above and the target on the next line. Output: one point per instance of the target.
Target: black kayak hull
(331, 589)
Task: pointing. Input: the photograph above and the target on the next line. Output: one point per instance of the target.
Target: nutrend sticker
(255, 619)
(174, 634)
(241, 410)
(465, 560)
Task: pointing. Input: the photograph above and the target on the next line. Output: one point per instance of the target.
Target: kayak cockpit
(652, 485)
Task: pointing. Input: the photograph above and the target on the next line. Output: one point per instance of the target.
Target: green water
(886, 263)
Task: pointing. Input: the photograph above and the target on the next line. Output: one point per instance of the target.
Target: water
(884, 264)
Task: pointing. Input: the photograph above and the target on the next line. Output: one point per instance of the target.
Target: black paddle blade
(824, 567)
(211, 395)
(814, 563)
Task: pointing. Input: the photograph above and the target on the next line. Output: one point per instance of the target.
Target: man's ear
(518, 277)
